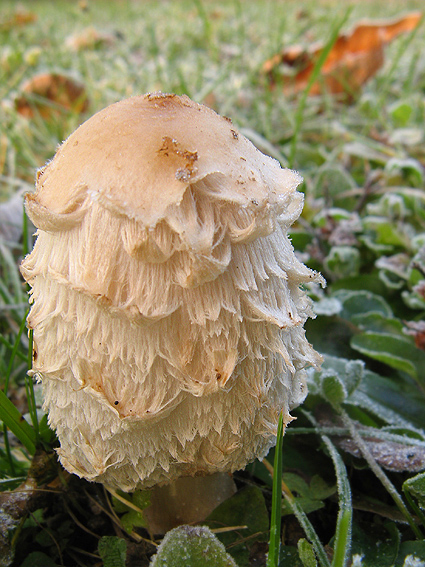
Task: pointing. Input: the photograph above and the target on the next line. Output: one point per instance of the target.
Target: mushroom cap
(137, 157)
(166, 300)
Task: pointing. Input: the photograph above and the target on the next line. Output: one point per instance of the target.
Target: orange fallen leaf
(18, 19)
(51, 93)
(354, 58)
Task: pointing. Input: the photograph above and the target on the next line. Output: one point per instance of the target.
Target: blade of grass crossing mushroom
(298, 119)
(276, 514)
(29, 387)
(26, 238)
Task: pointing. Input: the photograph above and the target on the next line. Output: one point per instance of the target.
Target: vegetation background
(353, 461)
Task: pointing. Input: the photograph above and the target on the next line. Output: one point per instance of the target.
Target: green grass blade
(14, 351)
(302, 519)
(29, 386)
(299, 113)
(12, 418)
(395, 61)
(342, 543)
(276, 513)
(308, 528)
(13, 276)
(345, 514)
(414, 506)
(25, 236)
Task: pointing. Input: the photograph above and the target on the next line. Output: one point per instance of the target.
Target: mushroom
(167, 305)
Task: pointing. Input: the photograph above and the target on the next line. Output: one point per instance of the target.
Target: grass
(352, 486)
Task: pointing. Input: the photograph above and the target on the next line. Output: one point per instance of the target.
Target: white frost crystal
(166, 302)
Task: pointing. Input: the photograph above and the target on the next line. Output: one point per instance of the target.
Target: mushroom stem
(187, 500)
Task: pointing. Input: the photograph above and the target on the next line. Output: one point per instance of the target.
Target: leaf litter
(354, 58)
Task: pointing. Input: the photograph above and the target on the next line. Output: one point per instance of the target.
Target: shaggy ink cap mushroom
(166, 301)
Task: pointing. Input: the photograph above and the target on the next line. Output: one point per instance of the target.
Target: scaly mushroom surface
(166, 296)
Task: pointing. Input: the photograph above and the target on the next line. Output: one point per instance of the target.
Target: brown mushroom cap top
(161, 143)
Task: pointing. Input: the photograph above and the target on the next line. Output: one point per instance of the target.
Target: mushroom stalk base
(187, 500)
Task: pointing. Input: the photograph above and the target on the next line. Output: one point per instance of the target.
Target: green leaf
(308, 497)
(306, 553)
(401, 112)
(328, 306)
(333, 180)
(333, 389)
(385, 233)
(337, 379)
(113, 551)
(379, 323)
(414, 300)
(364, 282)
(362, 302)
(397, 352)
(412, 554)
(369, 150)
(396, 402)
(246, 508)
(132, 518)
(317, 488)
(406, 168)
(377, 545)
(192, 547)
(396, 267)
(416, 487)
(342, 262)
(289, 557)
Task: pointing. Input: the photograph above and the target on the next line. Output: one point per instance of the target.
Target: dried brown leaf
(18, 19)
(354, 58)
(50, 93)
(391, 455)
(417, 330)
